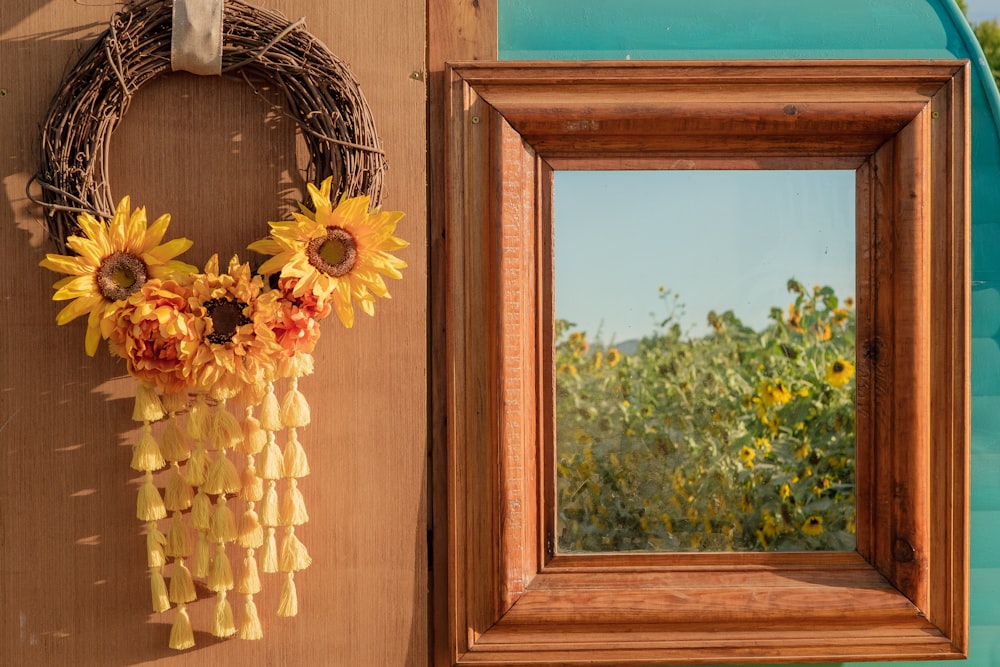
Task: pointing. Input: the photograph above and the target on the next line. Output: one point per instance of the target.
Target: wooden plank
(456, 30)
(73, 577)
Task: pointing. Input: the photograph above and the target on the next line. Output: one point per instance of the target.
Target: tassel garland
(210, 460)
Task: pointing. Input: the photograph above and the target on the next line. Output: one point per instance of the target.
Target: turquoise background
(718, 29)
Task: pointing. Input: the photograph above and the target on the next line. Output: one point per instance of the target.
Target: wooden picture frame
(510, 599)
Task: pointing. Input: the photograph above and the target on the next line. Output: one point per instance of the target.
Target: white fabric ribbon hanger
(196, 40)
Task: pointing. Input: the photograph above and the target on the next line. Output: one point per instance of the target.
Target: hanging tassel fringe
(250, 534)
(269, 553)
(222, 618)
(195, 448)
(149, 505)
(148, 407)
(223, 528)
(178, 494)
(178, 538)
(249, 583)
(293, 506)
(293, 555)
(201, 555)
(161, 602)
(294, 407)
(174, 444)
(181, 635)
(294, 456)
(270, 412)
(225, 431)
(288, 605)
(220, 577)
(146, 453)
(181, 585)
(250, 621)
(222, 476)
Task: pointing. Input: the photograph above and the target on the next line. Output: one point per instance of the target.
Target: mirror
(705, 360)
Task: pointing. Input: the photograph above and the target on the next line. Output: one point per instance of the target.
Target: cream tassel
(181, 585)
(294, 456)
(223, 525)
(220, 577)
(250, 621)
(178, 538)
(174, 443)
(178, 494)
(149, 504)
(181, 635)
(146, 453)
(294, 410)
(288, 605)
(293, 556)
(269, 552)
(270, 412)
(222, 618)
(148, 407)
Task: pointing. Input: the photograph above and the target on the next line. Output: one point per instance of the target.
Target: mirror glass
(704, 360)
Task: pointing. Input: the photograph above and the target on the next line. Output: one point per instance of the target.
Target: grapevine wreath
(210, 348)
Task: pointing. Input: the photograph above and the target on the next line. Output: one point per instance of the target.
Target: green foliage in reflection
(737, 440)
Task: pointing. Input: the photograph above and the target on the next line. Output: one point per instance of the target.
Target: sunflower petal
(76, 308)
(167, 251)
(155, 232)
(76, 287)
(65, 264)
(93, 333)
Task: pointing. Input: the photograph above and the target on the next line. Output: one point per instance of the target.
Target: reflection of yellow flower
(813, 525)
(578, 344)
(839, 372)
(794, 318)
(598, 359)
(238, 346)
(113, 260)
(774, 393)
(339, 253)
(821, 330)
(747, 456)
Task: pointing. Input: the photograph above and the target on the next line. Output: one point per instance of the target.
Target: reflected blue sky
(719, 240)
(980, 10)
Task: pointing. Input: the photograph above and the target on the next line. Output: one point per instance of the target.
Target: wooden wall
(73, 579)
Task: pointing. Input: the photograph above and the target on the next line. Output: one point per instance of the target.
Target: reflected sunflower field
(738, 440)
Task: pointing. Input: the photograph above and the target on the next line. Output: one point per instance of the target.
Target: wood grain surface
(73, 579)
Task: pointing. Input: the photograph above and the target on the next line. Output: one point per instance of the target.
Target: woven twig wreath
(259, 46)
(198, 340)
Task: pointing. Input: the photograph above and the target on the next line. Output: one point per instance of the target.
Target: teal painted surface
(720, 29)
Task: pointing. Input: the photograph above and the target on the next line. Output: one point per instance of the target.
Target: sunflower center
(334, 254)
(226, 315)
(838, 367)
(120, 275)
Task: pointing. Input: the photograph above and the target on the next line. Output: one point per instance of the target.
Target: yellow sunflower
(235, 316)
(113, 260)
(813, 525)
(338, 253)
(774, 394)
(839, 372)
